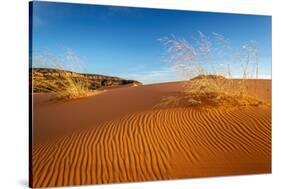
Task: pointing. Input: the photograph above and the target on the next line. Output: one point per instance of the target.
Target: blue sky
(122, 41)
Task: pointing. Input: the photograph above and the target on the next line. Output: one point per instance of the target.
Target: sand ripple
(159, 144)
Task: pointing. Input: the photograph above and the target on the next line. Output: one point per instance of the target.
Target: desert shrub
(58, 79)
(207, 69)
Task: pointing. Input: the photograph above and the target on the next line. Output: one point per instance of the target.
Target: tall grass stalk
(62, 83)
(207, 68)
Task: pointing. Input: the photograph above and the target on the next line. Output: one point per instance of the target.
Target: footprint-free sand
(118, 136)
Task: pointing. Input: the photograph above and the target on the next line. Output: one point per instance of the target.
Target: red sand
(117, 136)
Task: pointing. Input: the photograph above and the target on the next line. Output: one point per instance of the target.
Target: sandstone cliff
(93, 81)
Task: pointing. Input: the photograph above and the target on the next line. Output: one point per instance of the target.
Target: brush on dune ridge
(66, 85)
(207, 83)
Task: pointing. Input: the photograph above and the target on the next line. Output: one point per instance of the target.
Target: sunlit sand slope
(159, 144)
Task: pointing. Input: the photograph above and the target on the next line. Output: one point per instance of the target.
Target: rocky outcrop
(93, 81)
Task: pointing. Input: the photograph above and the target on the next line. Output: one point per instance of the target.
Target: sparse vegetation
(209, 82)
(66, 85)
(55, 74)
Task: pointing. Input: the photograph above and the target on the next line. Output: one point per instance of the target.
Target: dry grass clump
(64, 87)
(209, 100)
(209, 83)
(64, 84)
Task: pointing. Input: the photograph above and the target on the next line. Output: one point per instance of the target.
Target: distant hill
(94, 81)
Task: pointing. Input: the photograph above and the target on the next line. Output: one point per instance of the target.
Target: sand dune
(118, 137)
(55, 119)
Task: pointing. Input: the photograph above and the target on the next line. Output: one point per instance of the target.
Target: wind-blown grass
(64, 84)
(209, 82)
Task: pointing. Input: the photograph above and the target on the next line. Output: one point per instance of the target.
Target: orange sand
(117, 136)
